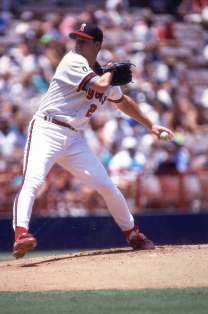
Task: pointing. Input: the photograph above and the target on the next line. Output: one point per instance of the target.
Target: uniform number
(85, 69)
(91, 110)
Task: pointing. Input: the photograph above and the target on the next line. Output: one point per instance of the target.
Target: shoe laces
(24, 235)
(139, 235)
(136, 229)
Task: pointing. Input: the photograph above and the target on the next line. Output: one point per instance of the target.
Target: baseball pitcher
(79, 87)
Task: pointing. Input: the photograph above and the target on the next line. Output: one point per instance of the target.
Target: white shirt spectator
(7, 144)
(117, 129)
(123, 160)
(31, 63)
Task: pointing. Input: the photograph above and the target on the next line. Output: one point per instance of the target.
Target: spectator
(126, 165)
(116, 129)
(166, 34)
(7, 139)
(4, 21)
(176, 160)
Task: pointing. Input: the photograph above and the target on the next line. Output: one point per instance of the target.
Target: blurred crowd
(170, 85)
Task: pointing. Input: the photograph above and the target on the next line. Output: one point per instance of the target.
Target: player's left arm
(129, 107)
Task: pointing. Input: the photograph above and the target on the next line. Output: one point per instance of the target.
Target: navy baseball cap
(88, 30)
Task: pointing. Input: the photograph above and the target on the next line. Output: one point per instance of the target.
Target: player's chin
(79, 51)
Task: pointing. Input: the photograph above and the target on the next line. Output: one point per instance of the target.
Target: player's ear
(98, 45)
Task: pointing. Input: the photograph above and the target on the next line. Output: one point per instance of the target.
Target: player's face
(86, 47)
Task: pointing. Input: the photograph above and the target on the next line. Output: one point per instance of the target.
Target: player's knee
(107, 188)
(32, 186)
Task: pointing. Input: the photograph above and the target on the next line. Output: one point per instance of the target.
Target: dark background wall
(102, 232)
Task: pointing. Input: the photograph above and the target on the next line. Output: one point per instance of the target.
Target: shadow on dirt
(83, 254)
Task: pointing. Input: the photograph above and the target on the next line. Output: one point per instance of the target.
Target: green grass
(148, 301)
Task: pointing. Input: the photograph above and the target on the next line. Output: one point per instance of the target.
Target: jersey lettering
(92, 109)
(103, 100)
(99, 96)
(90, 93)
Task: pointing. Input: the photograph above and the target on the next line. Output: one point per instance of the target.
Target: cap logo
(82, 27)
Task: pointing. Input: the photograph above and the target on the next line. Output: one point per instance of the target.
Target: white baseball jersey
(69, 98)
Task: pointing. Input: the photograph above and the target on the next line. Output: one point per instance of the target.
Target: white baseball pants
(48, 143)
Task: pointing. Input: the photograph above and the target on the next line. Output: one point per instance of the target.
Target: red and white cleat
(139, 241)
(24, 243)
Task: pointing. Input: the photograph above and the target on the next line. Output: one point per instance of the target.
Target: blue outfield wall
(102, 232)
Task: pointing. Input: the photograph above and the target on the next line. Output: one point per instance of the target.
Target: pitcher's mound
(164, 267)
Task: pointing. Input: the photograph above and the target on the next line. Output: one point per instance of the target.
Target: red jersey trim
(118, 100)
(85, 81)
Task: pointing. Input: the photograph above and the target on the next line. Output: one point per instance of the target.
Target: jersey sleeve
(116, 95)
(79, 73)
(87, 81)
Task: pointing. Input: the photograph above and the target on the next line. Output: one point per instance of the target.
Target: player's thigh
(85, 166)
(41, 152)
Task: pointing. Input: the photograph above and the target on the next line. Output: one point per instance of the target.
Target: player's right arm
(130, 108)
(102, 84)
(75, 71)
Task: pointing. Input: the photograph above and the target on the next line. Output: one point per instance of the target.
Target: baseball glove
(122, 74)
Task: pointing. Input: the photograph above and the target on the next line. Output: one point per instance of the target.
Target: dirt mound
(164, 267)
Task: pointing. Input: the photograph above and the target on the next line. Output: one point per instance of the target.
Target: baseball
(164, 136)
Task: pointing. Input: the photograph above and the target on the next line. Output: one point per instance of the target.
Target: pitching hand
(157, 130)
